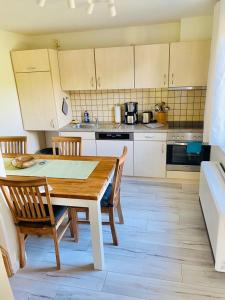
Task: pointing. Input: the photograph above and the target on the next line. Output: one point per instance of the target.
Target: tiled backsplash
(185, 105)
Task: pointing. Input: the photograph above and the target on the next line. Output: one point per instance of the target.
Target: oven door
(178, 159)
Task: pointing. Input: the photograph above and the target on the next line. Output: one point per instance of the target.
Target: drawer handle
(149, 137)
(31, 68)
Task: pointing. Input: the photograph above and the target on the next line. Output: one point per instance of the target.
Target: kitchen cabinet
(44, 106)
(150, 155)
(115, 148)
(30, 60)
(151, 66)
(88, 141)
(115, 68)
(189, 63)
(77, 69)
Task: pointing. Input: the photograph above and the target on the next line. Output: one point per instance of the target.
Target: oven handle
(177, 143)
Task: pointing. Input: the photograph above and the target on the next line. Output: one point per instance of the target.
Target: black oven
(178, 159)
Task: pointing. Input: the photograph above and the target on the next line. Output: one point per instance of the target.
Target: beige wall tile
(184, 105)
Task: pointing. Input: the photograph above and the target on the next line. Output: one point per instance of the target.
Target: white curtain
(215, 102)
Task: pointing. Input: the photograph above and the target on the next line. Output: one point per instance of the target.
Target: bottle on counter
(117, 114)
(86, 117)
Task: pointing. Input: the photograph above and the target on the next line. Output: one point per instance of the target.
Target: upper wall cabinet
(31, 61)
(115, 68)
(151, 66)
(189, 63)
(77, 69)
(43, 104)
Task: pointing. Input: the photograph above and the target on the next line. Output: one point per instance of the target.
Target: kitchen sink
(84, 126)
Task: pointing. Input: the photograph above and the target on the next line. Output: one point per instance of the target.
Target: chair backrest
(115, 195)
(25, 200)
(13, 144)
(67, 145)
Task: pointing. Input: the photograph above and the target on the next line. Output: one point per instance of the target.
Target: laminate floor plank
(163, 253)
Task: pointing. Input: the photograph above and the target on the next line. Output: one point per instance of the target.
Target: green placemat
(71, 169)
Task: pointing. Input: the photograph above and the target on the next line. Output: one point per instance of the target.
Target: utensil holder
(161, 117)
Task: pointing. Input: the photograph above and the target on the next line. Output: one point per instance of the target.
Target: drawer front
(83, 135)
(30, 61)
(150, 136)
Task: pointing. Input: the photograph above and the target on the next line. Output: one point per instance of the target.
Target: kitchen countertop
(111, 127)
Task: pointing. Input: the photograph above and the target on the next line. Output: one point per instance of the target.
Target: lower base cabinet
(150, 159)
(88, 141)
(115, 148)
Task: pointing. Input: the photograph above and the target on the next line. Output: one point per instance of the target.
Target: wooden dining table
(82, 193)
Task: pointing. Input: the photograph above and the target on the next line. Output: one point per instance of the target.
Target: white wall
(10, 116)
(158, 33)
(197, 28)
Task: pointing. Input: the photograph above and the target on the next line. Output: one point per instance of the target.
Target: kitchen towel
(194, 147)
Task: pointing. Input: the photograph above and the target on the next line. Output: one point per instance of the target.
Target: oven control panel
(185, 136)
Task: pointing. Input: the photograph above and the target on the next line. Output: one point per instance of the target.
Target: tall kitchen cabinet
(77, 69)
(43, 104)
(115, 67)
(189, 63)
(151, 66)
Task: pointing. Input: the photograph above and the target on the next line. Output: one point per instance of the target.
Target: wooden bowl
(23, 162)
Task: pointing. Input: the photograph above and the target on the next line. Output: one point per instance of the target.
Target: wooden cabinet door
(77, 69)
(30, 60)
(150, 159)
(151, 66)
(37, 100)
(115, 68)
(115, 148)
(189, 63)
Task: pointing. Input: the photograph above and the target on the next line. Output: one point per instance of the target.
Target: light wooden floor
(164, 254)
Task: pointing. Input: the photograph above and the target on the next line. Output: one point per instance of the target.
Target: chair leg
(21, 239)
(74, 224)
(112, 226)
(120, 213)
(56, 243)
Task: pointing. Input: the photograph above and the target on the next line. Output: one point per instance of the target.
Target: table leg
(96, 234)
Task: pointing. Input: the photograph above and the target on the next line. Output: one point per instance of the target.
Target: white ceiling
(25, 16)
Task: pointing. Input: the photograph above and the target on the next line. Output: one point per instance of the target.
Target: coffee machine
(131, 113)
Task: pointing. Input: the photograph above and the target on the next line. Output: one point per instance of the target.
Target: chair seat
(106, 197)
(58, 213)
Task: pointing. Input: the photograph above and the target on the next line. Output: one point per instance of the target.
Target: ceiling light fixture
(91, 6)
(112, 8)
(71, 3)
(41, 3)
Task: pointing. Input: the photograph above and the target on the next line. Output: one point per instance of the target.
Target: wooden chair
(67, 145)
(7, 261)
(32, 216)
(13, 144)
(110, 200)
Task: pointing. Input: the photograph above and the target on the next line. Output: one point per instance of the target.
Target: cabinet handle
(164, 79)
(52, 124)
(162, 148)
(149, 137)
(99, 82)
(172, 78)
(31, 68)
(92, 81)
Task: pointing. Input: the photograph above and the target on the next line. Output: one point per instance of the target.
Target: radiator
(212, 197)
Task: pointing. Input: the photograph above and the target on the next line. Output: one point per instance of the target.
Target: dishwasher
(112, 143)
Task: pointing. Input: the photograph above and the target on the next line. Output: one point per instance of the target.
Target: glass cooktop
(186, 124)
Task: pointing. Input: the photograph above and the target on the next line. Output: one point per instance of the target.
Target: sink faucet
(96, 122)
